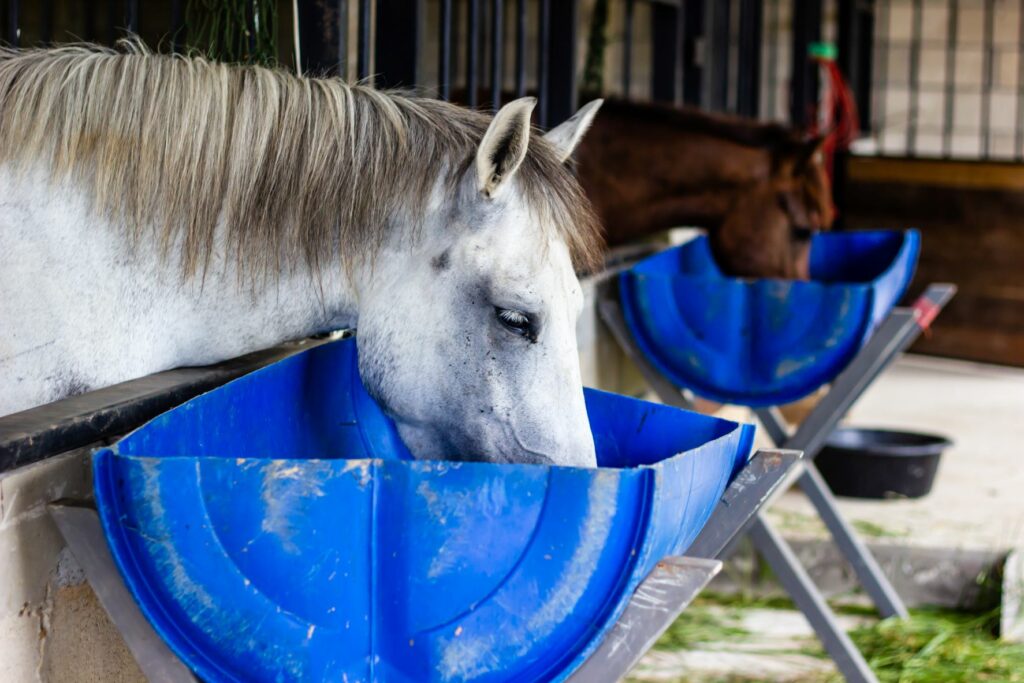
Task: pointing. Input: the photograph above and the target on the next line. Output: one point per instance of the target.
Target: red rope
(837, 114)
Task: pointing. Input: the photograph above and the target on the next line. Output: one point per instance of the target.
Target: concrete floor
(978, 498)
(778, 646)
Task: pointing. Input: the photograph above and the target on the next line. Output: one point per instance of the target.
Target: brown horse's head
(804, 190)
(767, 231)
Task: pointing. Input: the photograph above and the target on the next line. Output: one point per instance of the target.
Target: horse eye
(516, 322)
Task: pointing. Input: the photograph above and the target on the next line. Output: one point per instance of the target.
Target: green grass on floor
(932, 646)
(873, 530)
(699, 625)
(940, 645)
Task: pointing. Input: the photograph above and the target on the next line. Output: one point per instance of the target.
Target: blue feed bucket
(765, 342)
(275, 529)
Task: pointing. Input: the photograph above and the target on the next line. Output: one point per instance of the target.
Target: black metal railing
(948, 79)
(743, 56)
(486, 50)
(391, 48)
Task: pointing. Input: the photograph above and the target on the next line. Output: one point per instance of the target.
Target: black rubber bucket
(878, 463)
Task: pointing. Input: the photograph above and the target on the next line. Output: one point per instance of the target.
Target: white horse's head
(468, 339)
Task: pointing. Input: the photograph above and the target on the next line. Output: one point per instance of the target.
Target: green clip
(822, 51)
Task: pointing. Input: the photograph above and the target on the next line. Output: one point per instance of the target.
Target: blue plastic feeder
(276, 529)
(765, 342)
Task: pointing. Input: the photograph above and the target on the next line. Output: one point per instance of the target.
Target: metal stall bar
(680, 56)
(114, 18)
(14, 22)
(497, 51)
(323, 37)
(914, 75)
(627, 48)
(520, 48)
(717, 55)
(472, 51)
(83, 9)
(1018, 137)
(877, 112)
(987, 66)
(748, 78)
(854, 41)
(665, 49)
(804, 83)
(398, 43)
(177, 26)
(561, 85)
(865, 59)
(543, 60)
(46, 25)
(251, 20)
(773, 60)
(444, 51)
(693, 37)
(363, 40)
(676, 581)
(131, 16)
(950, 77)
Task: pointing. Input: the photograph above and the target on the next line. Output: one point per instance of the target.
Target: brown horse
(759, 189)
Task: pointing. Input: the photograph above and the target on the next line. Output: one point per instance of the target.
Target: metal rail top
(97, 416)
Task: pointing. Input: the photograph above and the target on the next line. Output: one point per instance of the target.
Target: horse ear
(809, 153)
(565, 136)
(504, 145)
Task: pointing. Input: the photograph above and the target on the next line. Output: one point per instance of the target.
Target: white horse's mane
(298, 170)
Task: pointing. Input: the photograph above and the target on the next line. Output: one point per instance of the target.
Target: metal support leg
(868, 571)
(805, 594)
(676, 581)
(80, 526)
(748, 492)
(872, 578)
(897, 333)
(657, 602)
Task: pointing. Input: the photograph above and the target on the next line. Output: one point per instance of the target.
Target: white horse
(160, 211)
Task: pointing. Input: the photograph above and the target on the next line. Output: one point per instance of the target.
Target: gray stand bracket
(676, 581)
(82, 531)
(893, 336)
(657, 602)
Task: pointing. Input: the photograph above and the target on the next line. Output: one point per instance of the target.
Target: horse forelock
(297, 170)
(812, 182)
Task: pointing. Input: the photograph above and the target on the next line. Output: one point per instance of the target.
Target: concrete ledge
(938, 577)
(52, 627)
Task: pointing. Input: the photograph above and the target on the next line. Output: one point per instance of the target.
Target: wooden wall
(971, 218)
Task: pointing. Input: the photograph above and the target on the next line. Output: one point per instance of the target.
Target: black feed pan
(878, 463)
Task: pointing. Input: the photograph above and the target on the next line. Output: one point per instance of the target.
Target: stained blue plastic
(276, 529)
(765, 342)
